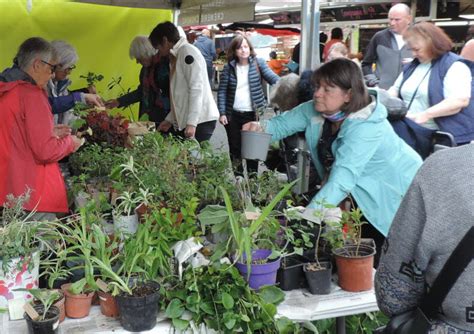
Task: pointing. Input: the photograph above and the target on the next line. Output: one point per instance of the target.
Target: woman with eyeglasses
(352, 145)
(62, 100)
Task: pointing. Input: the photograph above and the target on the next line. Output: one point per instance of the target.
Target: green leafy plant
(20, 237)
(54, 268)
(346, 231)
(246, 234)
(116, 82)
(92, 78)
(127, 202)
(218, 296)
(46, 298)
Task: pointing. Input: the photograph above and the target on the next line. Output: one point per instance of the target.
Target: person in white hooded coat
(193, 111)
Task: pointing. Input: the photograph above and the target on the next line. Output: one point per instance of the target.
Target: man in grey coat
(387, 50)
(206, 45)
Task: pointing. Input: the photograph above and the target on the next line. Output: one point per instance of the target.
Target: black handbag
(418, 320)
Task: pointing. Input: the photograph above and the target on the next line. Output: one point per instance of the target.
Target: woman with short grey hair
(141, 48)
(62, 100)
(153, 90)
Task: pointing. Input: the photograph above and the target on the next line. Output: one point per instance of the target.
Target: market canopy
(193, 11)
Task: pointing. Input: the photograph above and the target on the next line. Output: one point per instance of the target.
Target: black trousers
(204, 131)
(235, 121)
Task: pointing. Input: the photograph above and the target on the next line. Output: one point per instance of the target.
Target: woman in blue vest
(240, 93)
(437, 84)
(352, 144)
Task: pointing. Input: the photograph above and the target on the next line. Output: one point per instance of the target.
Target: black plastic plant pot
(138, 312)
(48, 326)
(319, 281)
(290, 276)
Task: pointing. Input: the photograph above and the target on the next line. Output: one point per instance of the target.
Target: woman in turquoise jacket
(353, 146)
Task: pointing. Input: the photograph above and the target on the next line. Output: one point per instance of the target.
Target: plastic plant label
(102, 285)
(31, 311)
(251, 215)
(56, 325)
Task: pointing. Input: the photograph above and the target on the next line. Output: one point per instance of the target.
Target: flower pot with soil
(262, 270)
(46, 323)
(318, 273)
(78, 299)
(354, 255)
(108, 304)
(139, 310)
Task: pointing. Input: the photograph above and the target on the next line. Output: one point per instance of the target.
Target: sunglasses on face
(53, 67)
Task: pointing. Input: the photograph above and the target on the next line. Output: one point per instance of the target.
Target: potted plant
(299, 235)
(354, 255)
(79, 297)
(318, 273)
(43, 317)
(250, 231)
(125, 217)
(132, 284)
(80, 240)
(105, 248)
(21, 242)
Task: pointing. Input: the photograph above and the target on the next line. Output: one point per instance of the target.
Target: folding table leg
(341, 325)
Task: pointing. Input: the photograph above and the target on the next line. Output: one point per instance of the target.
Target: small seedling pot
(126, 225)
(108, 304)
(319, 280)
(290, 276)
(48, 326)
(77, 306)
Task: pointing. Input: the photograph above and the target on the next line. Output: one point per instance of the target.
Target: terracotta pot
(355, 273)
(108, 305)
(77, 306)
(60, 305)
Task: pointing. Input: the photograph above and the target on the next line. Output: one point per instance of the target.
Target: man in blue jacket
(206, 45)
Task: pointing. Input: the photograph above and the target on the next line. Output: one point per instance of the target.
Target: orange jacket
(29, 151)
(277, 65)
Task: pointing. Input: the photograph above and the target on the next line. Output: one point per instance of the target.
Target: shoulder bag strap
(416, 90)
(454, 266)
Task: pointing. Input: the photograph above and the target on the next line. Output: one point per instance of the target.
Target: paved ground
(219, 139)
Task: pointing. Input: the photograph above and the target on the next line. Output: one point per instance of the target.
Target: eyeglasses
(53, 67)
(68, 69)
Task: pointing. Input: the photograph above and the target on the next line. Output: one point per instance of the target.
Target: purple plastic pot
(260, 274)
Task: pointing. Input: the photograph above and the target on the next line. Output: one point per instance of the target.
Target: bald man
(206, 45)
(388, 50)
(468, 49)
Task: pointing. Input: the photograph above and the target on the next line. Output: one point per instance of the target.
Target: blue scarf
(337, 117)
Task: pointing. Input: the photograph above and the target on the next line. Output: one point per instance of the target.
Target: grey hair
(67, 55)
(141, 48)
(338, 47)
(33, 48)
(285, 92)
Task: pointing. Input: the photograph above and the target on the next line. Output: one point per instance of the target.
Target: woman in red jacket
(30, 145)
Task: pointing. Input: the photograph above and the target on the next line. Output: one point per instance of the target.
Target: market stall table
(299, 305)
